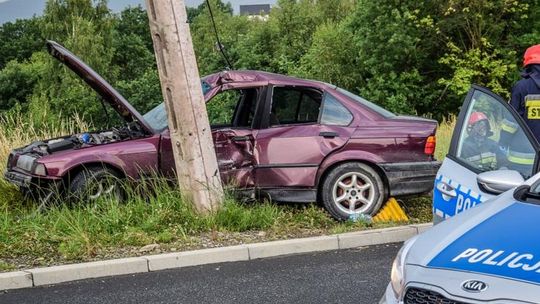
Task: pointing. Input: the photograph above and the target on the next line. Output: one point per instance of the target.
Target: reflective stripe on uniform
(521, 158)
(482, 158)
(508, 126)
(532, 100)
(532, 103)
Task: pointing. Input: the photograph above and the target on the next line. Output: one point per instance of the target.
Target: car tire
(94, 183)
(352, 188)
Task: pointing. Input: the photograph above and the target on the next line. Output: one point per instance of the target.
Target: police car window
(491, 138)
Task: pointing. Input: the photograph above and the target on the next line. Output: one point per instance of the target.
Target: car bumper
(24, 180)
(410, 178)
(388, 297)
(18, 179)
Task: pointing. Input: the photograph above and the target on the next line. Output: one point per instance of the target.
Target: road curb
(74, 272)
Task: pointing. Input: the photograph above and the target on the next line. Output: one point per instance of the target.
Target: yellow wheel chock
(391, 212)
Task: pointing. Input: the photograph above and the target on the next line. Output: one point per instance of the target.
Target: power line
(220, 46)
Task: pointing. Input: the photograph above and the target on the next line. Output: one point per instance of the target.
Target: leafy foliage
(408, 56)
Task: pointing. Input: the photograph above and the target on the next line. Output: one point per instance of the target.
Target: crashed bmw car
(489, 254)
(289, 139)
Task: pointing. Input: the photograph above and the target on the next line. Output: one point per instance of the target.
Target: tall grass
(17, 131)
(444, 135)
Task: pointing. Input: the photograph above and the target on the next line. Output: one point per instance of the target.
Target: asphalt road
(346, 276)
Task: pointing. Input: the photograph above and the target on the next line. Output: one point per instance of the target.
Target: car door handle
(328, 134)
(240, 138)
(446, 189)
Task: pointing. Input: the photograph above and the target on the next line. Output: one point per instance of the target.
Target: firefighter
(526, 92)
(526, 101)
(478, 149)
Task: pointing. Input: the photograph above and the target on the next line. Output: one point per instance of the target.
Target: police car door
(488, 136)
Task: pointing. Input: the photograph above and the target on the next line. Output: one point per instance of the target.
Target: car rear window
(334, 113)
(382, 111)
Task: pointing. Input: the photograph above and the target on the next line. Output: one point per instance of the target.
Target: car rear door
(507, 145)
(302, 125)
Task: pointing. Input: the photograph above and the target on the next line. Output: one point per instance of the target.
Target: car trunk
(419, 137)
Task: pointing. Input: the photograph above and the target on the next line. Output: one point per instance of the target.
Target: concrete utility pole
(191, 137)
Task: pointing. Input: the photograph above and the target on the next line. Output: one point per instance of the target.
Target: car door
(231, 114)
(501, 142)
(297, 135)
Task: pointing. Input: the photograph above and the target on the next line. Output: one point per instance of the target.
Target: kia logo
(474, 286)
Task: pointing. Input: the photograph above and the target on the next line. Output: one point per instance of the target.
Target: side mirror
(499, 181)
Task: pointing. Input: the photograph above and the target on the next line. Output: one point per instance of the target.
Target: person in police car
(478, 149)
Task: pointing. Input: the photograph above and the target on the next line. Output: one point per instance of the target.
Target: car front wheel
(95, 183)
(351, 189)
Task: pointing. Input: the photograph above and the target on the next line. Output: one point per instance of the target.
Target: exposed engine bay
(82, 140)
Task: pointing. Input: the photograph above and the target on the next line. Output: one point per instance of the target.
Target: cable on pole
(220, 46)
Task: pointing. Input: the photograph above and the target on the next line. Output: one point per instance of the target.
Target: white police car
(490, 254)
(465, 180)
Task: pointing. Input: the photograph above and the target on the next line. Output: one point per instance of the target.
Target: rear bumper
(410, 178)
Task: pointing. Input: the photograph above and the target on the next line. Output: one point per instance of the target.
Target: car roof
(253, 76)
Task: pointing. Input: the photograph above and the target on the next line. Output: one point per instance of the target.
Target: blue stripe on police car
(445, 206)
(505, 245)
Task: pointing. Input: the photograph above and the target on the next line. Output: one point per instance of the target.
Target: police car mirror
(524, 194)
(499, 181)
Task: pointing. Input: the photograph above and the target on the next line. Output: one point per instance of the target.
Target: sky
(10, 10)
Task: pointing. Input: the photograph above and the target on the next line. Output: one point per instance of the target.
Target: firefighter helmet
(477, 117)
(532, 55)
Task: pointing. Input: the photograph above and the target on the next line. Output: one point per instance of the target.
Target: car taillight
(429, 148)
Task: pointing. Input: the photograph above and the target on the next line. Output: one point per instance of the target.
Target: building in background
(259, 11)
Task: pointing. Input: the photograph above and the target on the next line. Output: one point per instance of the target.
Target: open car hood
(100, 85)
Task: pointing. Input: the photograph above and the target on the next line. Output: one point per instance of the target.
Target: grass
(107, 229)
(444, 134)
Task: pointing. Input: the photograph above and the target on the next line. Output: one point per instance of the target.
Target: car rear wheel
(352, 188)
(94, 183)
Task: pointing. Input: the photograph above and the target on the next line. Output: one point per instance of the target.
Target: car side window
(294, 106)
(492, 139)
(334, 113)
(232, 108)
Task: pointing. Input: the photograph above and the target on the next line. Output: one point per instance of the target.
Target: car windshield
(370, 105)
(157, 117)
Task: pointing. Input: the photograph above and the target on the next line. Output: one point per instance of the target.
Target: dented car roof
(241, 77)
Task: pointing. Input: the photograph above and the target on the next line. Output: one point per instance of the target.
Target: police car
(491, 254)
(504, 156)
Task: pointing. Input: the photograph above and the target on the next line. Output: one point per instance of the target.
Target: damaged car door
(232, 116)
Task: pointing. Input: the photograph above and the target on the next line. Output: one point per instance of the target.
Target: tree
(397, 51)
(331, 56)
(20, 39)
(87, 30)
(482, 42)
(231, 30)
(18, 79)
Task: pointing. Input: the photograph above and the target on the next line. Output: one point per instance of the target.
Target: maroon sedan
(289, 139)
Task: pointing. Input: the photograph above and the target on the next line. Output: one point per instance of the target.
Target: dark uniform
(526, 101)
(484, 155)
(526, 98)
